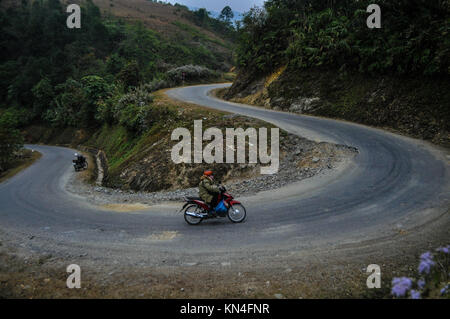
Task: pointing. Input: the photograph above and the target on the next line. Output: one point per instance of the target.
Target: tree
(201, 16)
(72, 106)
(43, 95)
(130, 75)
(226, 14)
(96, 88)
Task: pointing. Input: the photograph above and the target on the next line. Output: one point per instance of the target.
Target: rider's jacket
(207, 189)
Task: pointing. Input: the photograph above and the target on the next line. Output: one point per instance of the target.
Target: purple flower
(400, 286)
(444, 250)
(445, 290)
(426, 262)
(426, 256)
(415, 294)
(421, 283)
(425, 266)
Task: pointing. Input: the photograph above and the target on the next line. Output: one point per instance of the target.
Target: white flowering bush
(189, 73)
(139, 96)
(156, 85)
(433, 278)
(175, 76)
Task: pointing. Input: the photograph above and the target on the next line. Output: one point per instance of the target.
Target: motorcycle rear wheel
(237, 213)
(191, 220)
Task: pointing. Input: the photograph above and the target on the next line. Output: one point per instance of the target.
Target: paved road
(393, 183)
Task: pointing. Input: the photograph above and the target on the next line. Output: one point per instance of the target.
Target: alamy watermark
(374, 20)
(214, 151)
(74, 279)
(74, 19)
(374, 279)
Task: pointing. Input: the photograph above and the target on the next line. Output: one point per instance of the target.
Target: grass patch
(195, 33)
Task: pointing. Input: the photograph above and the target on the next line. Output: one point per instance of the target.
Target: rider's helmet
(207, 173)
(76, 154)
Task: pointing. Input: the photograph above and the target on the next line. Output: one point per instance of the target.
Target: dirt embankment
(300, 159)
(416, 106)
(142, 163)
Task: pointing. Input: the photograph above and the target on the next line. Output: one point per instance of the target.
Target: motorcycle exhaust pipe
(195, 215)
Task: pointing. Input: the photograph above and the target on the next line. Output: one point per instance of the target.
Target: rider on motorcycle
(208, 190)
(80, 159)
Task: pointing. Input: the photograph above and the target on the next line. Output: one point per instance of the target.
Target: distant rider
(80, 159)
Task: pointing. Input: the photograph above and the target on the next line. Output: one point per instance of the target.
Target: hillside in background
(103, 75)
(319, 57)
(175, 22)
(122, 45)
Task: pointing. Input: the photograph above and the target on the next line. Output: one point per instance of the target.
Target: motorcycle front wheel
(192, 220)
(237, 213)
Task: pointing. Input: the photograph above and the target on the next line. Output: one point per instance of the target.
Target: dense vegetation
(319, 57)
(414, 38)
(11, 142)
(43, 59)
(101, 73)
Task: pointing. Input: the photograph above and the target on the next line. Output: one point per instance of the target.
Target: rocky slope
(300, 159)
(416, 106)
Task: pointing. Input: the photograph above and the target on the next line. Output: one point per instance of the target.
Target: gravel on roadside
(299, 159)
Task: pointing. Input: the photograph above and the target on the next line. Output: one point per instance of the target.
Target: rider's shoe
(212, 213)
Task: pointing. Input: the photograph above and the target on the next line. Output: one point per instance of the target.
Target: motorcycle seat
(193, 198)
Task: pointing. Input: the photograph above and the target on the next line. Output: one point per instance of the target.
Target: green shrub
(71, 106)
(96, 88)
(43, 95)
(130, 75)
(133, 109)
(309, 33)
(15, 117)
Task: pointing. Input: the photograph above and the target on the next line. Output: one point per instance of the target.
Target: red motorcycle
(196, 210)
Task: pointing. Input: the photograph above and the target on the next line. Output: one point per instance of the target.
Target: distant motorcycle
(196, 210)
(80, 163)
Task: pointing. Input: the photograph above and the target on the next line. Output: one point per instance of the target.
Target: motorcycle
(78, 166)
(196, 210)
